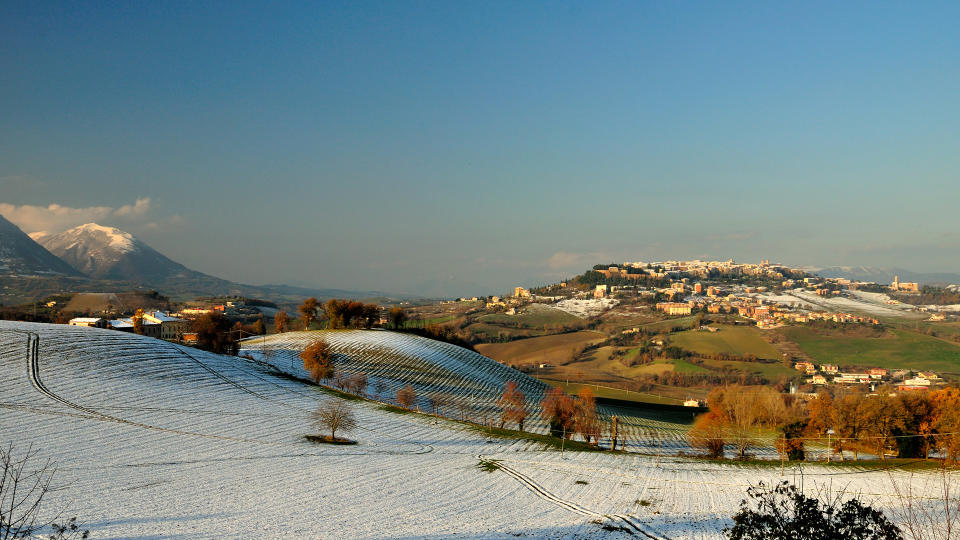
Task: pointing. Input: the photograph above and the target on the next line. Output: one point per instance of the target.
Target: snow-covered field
(586, 307)
(863, 302)
(153, 440)
(468, 384)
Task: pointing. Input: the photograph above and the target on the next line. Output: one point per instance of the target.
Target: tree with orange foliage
(513, 405)
(885, 416)
(308, 311)
(559, 410)
(707, 434)
(318, 360)
(920, 418)
(406, 396)
(850, 421)
(585, 420)
(281, 321)
(947, 406)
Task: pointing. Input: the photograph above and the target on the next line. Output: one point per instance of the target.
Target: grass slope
(738, 340)
(896, 349)
(532, 315)
(553, 349)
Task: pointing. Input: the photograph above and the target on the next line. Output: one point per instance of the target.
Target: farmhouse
(170, 327)
(805, 366)
(92, 322)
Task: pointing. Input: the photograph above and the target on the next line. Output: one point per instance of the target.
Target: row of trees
(350, 313)
(906, 424)
(340, 313)
(647, 381)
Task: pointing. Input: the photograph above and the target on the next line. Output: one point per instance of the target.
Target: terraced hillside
(462, 379)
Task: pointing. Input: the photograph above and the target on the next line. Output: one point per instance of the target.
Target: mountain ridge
(21, 255)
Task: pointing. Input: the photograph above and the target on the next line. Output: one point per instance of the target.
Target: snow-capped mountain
(21, 255)
(108, 253)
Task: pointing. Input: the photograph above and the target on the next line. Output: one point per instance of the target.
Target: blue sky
(461, 148)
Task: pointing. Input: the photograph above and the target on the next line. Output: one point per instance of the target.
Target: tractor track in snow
(33, 372)
(633, 524)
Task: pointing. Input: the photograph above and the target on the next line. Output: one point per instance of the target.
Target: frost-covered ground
(467, 384)
(862, 302)
(153, 440)
(586, 307)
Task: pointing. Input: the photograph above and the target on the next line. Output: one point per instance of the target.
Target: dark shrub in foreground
(784, 512)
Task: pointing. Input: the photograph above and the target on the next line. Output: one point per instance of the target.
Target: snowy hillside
(108, 253)
(19, 254)
(467, 383)
(160, 441)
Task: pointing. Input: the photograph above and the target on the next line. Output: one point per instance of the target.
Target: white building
(92, 322)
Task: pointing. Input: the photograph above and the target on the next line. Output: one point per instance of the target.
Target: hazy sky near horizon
(464, 147)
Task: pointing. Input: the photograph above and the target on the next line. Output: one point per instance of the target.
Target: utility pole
(830, 432)
(615, 421)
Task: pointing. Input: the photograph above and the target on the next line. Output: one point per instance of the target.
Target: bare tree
(437, 401)
(357, 384)
(406, 396)
(335, 415)
(379, 387)
(24, 482)
(929, 512)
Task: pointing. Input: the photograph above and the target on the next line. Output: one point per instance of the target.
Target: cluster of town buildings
(704, 269)
(685, 296)
(157, 324)
(828, 374)
(764, 313)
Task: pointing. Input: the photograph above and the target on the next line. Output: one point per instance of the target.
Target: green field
(736, 340)
(556, 349)
(682, 366)
(666, 325)
(533, 315)
(898, 349)
(614, 393)
(771, 371)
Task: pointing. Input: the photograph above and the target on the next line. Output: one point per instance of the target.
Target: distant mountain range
(885, 275)
(92, 257)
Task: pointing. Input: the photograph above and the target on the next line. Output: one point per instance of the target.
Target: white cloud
(57, 218)
(137, 209)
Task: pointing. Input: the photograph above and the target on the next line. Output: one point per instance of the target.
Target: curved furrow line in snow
(423, 448)
(632, 522)
(93, 414)
(33, 371)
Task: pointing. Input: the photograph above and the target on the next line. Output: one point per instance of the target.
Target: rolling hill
(155, 440)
